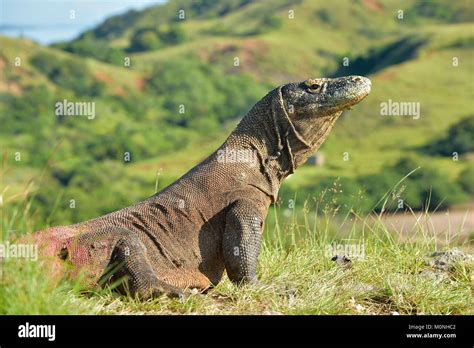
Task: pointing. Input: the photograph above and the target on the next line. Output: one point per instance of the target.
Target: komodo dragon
(211, 219)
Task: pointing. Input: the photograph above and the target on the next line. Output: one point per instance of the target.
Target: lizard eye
(312, 86)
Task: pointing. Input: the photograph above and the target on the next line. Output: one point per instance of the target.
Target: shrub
(426, 185)
(271, 23)
(460, 139)
(149, 39)
(172, 34)
(406, 165)
(461, 136)
(325, 16)
(95, 48)
(145, 40)
(45, 62)
(466, 180)
(439, 10)
(70, 73)
(377, 185)
(27, 113)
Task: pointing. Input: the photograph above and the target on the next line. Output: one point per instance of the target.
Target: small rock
(357, 306)
(445, 261)
(291, 299)
(434, 275)
(364, 288)
(194, 291)
(342, 261)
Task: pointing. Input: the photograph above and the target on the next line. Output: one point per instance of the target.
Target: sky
(49, 21)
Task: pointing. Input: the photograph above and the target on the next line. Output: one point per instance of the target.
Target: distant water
(45, 34)
(49, 21)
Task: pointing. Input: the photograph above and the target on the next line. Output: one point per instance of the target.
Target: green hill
(183, 91)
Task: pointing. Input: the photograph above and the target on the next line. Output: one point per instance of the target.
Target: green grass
(26, 289)
(297, 275)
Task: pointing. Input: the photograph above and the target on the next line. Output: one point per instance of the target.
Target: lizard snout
(362, 81)
(357, 88)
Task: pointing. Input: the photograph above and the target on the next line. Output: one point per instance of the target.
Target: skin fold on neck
(280, 144)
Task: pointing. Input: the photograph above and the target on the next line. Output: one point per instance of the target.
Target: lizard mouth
(357, 88)
(362, 87)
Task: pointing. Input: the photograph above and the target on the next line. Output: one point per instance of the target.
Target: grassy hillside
(190, 62)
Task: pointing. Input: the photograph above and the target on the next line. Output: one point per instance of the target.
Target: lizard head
(313, 106)
(293, 120)
(315, 98)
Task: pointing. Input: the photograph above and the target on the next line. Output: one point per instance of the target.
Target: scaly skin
(211, 219)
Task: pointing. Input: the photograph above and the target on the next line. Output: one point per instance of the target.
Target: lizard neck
(279, 147)
(264, 131)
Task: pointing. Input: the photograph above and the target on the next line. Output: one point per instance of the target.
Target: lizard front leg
(241, 241)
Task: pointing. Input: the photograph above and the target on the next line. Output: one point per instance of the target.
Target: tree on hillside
(149, 39)
(460, 139)
(144, 40)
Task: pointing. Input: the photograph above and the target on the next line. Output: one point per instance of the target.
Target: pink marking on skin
(80, 256)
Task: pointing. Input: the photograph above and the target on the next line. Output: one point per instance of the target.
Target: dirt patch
(248, 52)
(9, 86)
(104, 78)
(373, 5)
(252, 49)
(140, 83)
(119, 91)
(386, 76)
(452, 224)
(218, 51)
